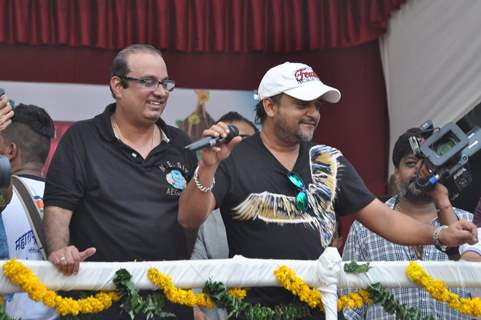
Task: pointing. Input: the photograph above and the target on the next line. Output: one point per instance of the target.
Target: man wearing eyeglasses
(113, 185)
(279, 194)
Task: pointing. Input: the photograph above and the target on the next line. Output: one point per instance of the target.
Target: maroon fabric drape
(60, 128)
(196, 25)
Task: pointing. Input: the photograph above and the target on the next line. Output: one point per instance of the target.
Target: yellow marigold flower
(289, 280)
(237, 292)
(20, 275)
(176, 295)
(439, 291)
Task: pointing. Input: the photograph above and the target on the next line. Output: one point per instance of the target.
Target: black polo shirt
(122, 204)
(256, 200)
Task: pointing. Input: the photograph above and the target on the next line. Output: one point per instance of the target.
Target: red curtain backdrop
(196, 25)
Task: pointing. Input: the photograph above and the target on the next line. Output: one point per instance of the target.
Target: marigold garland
(183, 296)
(312, 297)
(23, 277)
(439, 291)
(20, 275)
(295, 285)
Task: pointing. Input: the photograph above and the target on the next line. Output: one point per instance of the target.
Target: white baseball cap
(297, 80)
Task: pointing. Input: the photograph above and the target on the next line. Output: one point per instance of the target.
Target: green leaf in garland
(238, 309)
(354, 267)
(151, 306)
(382, 296)
(3, 313)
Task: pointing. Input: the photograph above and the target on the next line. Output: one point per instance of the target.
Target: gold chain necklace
(119, 135)
(418, 250)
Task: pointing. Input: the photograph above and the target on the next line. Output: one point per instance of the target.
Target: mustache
(310, 120)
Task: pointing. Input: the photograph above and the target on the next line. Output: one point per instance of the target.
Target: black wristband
(452, 253)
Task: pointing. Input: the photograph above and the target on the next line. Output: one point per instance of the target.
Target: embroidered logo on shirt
(281, 209)
(176, 179)
(175, 173)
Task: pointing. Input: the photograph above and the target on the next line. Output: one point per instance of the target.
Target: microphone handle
(212, 141)
(202, 143)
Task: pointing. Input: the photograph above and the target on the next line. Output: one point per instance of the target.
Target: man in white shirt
(26, 143)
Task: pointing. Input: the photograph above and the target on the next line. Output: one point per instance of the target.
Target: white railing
(326, 274)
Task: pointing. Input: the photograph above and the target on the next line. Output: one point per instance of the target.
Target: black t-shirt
(256, 200)
(122, 204)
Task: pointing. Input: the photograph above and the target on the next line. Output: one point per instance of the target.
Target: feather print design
(281, 209)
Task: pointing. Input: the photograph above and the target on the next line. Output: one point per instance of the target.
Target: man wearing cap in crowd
(279, 193)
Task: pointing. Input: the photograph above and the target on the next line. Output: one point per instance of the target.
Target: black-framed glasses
(152, 83)
(301, 196)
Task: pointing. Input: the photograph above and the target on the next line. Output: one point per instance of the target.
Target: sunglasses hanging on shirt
(301, 202)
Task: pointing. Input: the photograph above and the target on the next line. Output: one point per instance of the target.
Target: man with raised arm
(279, 193)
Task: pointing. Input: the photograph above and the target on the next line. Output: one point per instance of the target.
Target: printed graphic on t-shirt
(38, 200)
(26, 242)
(281, 209)
(175, 176)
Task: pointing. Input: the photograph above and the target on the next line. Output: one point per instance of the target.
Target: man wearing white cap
(279, 194)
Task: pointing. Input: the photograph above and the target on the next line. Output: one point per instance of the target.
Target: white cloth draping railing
(326, 274)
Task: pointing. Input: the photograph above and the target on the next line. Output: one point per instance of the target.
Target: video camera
(446, 153)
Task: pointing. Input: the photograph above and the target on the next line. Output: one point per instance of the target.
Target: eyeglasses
(301, 196)
(153, 83)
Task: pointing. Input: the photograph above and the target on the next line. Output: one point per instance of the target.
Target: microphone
(426, 183)
(207, 142)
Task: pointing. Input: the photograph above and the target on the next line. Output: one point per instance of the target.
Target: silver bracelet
(437, 243)
(199, 185)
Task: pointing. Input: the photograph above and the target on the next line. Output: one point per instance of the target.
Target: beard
(291, 135)
(410, 191)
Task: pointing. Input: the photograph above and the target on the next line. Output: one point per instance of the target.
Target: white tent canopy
(431, 64)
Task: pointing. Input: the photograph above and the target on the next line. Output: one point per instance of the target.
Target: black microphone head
(233, 132)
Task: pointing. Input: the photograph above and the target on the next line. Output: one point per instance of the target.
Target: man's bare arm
(404, 230)
(65, 257)
(56, 223)
(195, 205)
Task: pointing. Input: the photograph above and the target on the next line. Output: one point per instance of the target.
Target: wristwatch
(437, 243)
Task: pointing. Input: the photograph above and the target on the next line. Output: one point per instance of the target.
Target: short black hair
(120, 67)
(31, 130)
(260, 112)
(402, 147)
(236, 116)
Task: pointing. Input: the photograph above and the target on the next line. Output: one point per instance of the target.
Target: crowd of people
(123, 187)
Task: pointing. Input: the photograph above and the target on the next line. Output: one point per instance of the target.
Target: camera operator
(430, 207)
